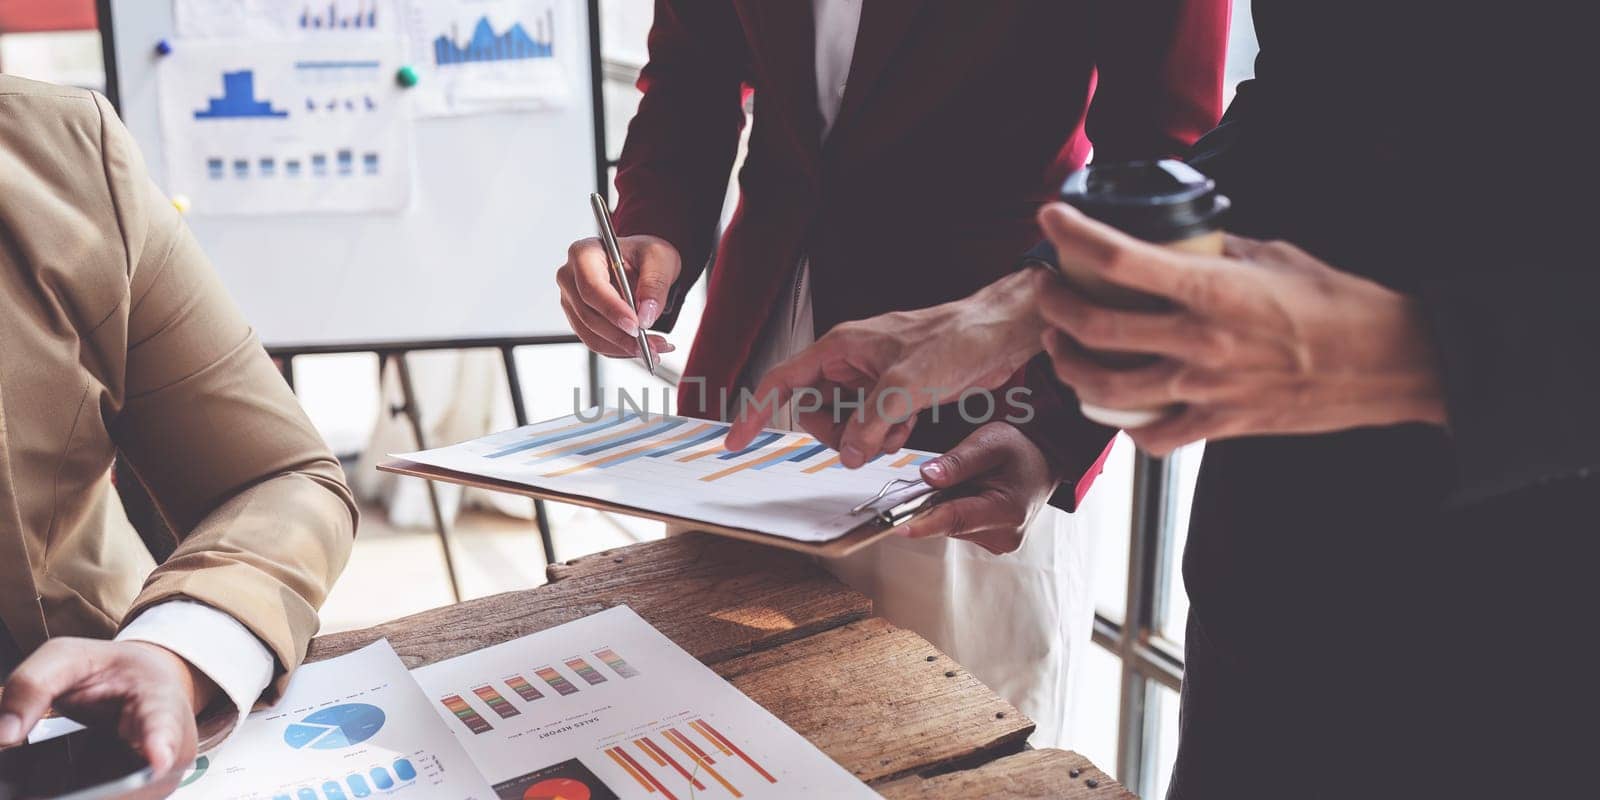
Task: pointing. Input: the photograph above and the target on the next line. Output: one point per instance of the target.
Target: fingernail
(10, 729)
(649, 312)
(851, 457)
(628, 326)
(933, 471)
(666, 347)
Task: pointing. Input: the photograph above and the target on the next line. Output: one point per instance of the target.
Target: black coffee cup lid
(1158, 201)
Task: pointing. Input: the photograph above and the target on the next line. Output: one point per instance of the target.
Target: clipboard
(895, 503)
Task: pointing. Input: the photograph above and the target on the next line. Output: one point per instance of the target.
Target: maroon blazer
(959, 119)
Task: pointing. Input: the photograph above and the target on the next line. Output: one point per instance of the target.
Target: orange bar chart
(691, 751)
(706, 727)
(662, 758)
(637, 771)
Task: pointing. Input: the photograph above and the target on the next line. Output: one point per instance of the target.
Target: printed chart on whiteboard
(606, 707)
(286, 127)
(268, 19)
(489, 55)
(783, 484)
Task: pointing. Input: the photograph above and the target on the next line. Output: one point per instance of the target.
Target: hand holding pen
(599, 313)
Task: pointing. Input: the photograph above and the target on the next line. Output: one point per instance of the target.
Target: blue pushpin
(163, 48)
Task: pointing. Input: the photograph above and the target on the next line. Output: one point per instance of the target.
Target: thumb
(659, 265)
(974, 456)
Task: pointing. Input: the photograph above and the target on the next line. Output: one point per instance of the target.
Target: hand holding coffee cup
(1167, 203)
(1261, 339)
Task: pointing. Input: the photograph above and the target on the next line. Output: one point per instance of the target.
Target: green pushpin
(407, 77)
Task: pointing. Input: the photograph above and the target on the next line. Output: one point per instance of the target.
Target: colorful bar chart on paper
(523, 688)
(783, 483)
(588, 673)
(615, 662)
(556, 680)
(693, 756)
(497, 702)
(466, 714)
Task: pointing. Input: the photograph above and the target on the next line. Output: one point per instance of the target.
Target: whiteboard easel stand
(398, 350)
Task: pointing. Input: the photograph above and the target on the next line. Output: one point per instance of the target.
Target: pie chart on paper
(335, 726)
(557, 789)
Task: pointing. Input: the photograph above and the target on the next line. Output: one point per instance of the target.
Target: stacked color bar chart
(686, 758)
(556, 680)
(497, 702)
(468, 716)
(616, 663)
(523, 689)
(585, 671)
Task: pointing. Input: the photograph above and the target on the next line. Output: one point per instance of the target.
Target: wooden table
(879, 700)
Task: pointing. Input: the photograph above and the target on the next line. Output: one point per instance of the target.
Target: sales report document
(784, 484)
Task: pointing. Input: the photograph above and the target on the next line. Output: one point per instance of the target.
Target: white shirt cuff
(213, 642)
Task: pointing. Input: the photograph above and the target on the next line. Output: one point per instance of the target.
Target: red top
(959, 119)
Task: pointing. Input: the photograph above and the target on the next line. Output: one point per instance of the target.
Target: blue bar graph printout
(238, 100)
(487, 45)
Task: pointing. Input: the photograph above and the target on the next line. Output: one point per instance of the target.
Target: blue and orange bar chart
(625, 437)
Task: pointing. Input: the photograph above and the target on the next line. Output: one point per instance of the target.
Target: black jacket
(1405, 611)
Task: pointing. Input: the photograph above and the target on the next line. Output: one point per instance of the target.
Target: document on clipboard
(783, 487)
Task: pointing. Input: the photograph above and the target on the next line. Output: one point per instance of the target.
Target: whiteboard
(495, 200)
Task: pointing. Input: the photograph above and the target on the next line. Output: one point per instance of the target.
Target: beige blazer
(115, 335)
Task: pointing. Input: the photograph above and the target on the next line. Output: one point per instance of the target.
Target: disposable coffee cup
(1166, 202)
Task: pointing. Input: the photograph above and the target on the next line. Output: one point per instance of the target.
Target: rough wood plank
(715, 597)
(880, 700)
(1030, 775)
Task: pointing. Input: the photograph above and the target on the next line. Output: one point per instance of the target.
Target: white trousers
(1015, 621)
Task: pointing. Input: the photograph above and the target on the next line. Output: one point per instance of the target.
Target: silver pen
(608, 238)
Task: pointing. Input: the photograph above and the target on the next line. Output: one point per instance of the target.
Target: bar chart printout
(556, 680)
(466, 714)
(488, 55)
(674, 730)
(615, 662)
(497, 702)
(239, 125)
(588, 673)
(523, 688)
(784, 484)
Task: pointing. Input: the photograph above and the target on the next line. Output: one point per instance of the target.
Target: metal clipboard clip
(898, 499)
